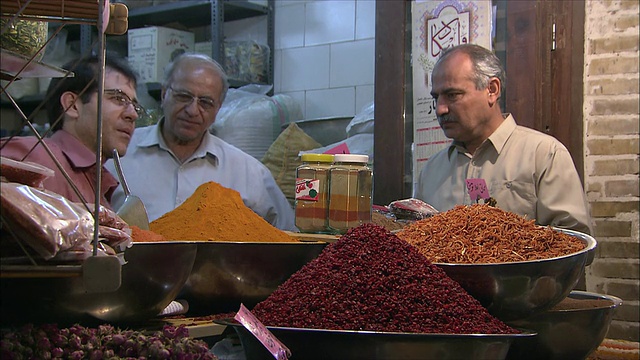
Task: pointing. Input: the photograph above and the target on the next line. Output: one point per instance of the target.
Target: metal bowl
(566, 334)
(327, 130)
(517, 290)
(150, 280)
(226, 274)
(310, 344)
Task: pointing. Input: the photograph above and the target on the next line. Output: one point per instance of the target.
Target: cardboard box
(152, 48)
(205, 47)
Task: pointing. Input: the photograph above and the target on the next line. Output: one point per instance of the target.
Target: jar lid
(317, 157)
(351, 158)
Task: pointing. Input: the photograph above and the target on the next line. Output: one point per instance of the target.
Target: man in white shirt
(525, 171)
(166, 162)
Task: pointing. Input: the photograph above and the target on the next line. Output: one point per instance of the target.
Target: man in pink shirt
(72, 110)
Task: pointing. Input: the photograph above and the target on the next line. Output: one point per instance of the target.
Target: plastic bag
(250, 120)
(56, 228)
(46, 221)
(412, 209)
(24, 172)
(362, 123)
(113, 231)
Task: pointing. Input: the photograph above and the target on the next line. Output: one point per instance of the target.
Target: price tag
(477, 189)
(307, 189)
(251, 323)
(341, 148)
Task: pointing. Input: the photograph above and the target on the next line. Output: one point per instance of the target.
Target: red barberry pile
(372, 280)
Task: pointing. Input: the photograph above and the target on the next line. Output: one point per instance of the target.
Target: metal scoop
(132, 210)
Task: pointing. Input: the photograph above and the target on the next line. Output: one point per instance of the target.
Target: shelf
(40, 271)
(11, 65)
(192, 13)
(64, 10)
(68, 11)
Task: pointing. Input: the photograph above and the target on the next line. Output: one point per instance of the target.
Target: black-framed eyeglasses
(122, 99)
(205, 103)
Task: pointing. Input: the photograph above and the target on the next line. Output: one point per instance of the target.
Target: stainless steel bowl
(326, 131)
(226, 274)
(566, 334)
(517, 290)
(310, 344)
(150, 280)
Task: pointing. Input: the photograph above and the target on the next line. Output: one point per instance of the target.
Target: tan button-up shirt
(527, 172)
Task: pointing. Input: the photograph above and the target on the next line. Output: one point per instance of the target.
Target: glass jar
(312, 185)
(350, 192)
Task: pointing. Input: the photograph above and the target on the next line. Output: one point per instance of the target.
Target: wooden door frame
(556, 83)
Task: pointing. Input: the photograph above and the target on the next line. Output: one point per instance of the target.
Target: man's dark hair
(86, 72)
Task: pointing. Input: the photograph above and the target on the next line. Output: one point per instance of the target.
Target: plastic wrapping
(363, 122)
(47, 222)
(412, 209)
(24, 172)
(55, 227)
(250, 120)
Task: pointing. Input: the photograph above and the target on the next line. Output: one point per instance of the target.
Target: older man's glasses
(205, 103)
(122, 99)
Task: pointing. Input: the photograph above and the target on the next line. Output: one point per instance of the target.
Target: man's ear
(495, 86)
(70, 104)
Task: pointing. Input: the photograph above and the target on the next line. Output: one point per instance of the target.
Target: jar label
(307, 189)
(251, 323)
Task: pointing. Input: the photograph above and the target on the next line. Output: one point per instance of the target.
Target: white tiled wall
(324, 54)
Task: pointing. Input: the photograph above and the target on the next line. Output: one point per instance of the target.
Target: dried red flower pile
(105, 342)
(371, 280)
(481, 233)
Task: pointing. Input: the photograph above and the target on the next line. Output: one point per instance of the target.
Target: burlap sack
(282, 158)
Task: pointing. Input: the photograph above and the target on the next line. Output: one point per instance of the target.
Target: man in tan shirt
(525, 171)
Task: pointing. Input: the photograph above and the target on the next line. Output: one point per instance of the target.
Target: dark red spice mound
(372, 280)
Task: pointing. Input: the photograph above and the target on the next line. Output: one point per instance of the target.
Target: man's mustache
(445, 118)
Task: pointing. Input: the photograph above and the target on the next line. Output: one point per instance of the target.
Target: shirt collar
(498, 139)
(79, 155)
(503, 132)
(208, 147)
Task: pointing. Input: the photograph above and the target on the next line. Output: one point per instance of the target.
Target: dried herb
(105, 342)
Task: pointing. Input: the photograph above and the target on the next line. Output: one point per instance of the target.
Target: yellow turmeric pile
(216, 213)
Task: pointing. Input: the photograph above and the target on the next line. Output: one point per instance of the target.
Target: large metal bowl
(327, 130)
(150, 280)
(311, 344)
(566, 334)
(226, 274)
(517, 290)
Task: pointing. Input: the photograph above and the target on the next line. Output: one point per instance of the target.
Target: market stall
(349, 288)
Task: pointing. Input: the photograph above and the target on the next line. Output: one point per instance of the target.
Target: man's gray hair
(485, 64)
(200, 58)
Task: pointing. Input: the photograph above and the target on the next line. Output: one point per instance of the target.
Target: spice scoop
(132, 210)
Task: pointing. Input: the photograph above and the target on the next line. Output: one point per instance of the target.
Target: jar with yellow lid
(311, 201)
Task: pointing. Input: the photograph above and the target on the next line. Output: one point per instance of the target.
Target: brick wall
(611, 115)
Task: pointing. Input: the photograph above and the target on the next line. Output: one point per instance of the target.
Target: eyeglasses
(122, 99)
(205, 103)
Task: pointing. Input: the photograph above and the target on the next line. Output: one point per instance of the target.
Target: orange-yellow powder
(216, 213)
